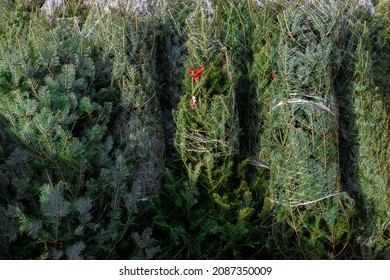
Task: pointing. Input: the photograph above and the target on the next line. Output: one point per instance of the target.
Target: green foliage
(298, 141)
(217, 204)
(265, 40)
(72, 178)
(319, 230)
(370, 92)
(284, 155)
(193, 223)
(206, 136)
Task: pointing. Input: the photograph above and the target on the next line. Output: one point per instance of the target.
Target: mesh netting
(302, 127)
(206, 136)
(130, 47)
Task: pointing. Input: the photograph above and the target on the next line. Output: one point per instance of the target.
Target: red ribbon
(223, 60)
(196, 73)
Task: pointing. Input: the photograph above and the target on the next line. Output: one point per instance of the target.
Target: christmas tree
(210, 129)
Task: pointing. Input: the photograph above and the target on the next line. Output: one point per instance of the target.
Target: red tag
(197, 72)
(273, 76)
(223, 60)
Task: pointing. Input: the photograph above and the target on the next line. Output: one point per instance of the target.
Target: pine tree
(171, 53)
(366, 102)
(211, 129)
(206, 136)
(210, 214)
(71, 99)
(299, 140)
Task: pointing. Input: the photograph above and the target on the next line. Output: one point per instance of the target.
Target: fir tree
(73, 176)
(206, 136)
(210, 214)
(299, 142)
(365, 101)
(207, 129)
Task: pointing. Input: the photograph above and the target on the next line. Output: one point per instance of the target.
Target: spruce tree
(78, 104)
(209, 214)
(299, 140)
(365, 97)
(206, 135)
(171, 53)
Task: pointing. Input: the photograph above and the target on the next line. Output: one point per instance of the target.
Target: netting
(206, 136)
(365, 114)
(130, 45)
(317, 123)
(302, 125)
(295, 64)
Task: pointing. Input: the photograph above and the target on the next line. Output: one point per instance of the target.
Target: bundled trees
(78, 106)
(365, 119)
(210, 213)
(206, 136)
(299, 137)
(206, 130)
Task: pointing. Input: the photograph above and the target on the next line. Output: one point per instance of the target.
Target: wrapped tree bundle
(171, 54)
(303, 143)
(131, 48)
(369, 130)
(299, 141)
(213, 205)
(207, 130)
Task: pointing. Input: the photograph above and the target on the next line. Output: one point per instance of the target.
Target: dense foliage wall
(208, 130)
